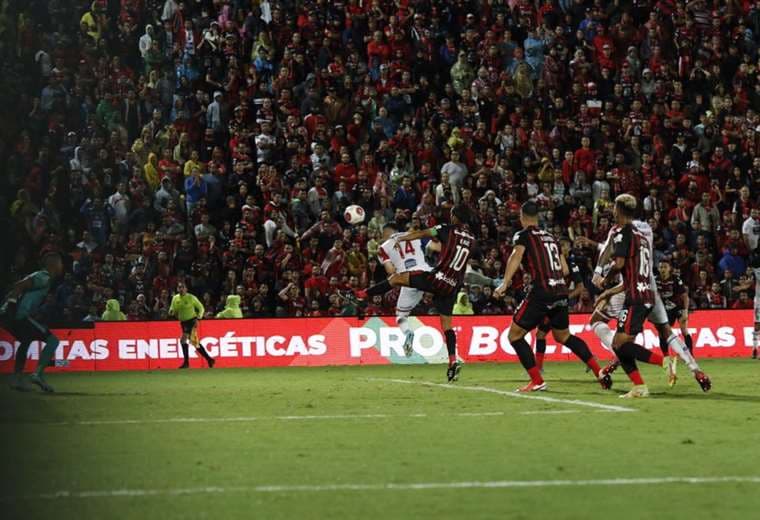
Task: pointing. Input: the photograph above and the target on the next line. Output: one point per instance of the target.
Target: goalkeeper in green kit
(23, 301)
(188, 309)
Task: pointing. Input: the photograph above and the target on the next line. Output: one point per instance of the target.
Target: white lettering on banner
(147, 348)
(748, 331)
(483, 341)
(78, 351)
(271, 346)
(99, 349)
(361, 338)
(317, 345)
(167, 348)
(429, 336)
(726, 337)
(391, 339)
(227, 345)
(6, 350)
(127, 349)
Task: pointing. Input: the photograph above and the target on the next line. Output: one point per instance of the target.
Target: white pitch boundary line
(577, 402)
(105, 422)
(390, 486)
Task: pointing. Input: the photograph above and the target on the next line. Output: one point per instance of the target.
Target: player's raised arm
(415, 235)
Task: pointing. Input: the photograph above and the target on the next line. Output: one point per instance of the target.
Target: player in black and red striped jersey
(538, 252)
(675, 297)
(633, 259)
(457, 246)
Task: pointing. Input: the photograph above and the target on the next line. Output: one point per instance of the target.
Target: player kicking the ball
(538, 252)
(400, 257)
(444, 280)
(188, 309)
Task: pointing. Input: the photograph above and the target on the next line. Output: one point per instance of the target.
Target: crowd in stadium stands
(219, 141)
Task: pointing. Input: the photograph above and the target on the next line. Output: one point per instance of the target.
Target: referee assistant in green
(188, 309)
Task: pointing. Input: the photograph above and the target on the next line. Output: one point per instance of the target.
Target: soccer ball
(354, 214)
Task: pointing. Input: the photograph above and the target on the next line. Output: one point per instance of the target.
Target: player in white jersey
(658, 316)
(754, 262)
(400, 257)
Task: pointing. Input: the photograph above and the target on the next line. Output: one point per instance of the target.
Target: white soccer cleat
(636, 392)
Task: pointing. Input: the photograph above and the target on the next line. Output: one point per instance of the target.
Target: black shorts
(674, 315)
(546, 325)
(188, 325)
(537, 309)
(631, 319)
(26, 330)
(444, 300)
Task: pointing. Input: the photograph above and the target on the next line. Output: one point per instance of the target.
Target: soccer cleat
(605, 380)
(636, 392)
(704, 382)
(18, 382)
(610, 368)
(184, 365)
(409, 343)
(452, 373)
(670, 369)
(533, 387)
(40, 381)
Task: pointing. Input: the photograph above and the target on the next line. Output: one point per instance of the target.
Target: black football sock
(202, 352)
(451, 345)
(524, 353)
(540, 346)
(664, 345)
(185, 352)
(689, 344)
(379, 288)
(18, 365)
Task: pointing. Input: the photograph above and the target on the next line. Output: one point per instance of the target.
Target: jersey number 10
(460, 258)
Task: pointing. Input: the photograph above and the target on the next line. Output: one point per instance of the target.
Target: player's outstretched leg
(17, 381)
(680, 348)
(403, 324)
(580, 349)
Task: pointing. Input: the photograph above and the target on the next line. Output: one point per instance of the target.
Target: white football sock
(402, 323)
(604, 333)
(679, 346)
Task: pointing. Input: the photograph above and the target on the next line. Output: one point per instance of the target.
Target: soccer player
(188, 309)
(754, 262)
(675, 297)
(539, 254)
(545, 326)
(399, 257)
(446, 278)
(23, 301)
(657, 315)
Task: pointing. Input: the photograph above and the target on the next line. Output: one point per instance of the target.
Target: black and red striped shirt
(542, 260)
(634, 247)
(457, 247)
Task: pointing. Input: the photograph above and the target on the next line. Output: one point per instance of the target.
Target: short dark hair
(529, 209)
(462, 213)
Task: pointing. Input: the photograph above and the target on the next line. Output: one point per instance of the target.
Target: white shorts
(408, 299)
(658, 316)
(614, 306)
(757, 310)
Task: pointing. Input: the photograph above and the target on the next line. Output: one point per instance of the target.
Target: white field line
(97, 422)
(389, 486)
(575, 402)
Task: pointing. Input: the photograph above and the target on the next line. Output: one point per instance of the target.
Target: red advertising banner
(342, 341)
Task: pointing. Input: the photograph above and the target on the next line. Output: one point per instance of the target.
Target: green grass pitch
(378, 443)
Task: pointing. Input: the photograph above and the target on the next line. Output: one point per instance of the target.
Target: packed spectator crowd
(219, 141)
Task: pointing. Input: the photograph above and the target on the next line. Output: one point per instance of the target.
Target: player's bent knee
(562, 335)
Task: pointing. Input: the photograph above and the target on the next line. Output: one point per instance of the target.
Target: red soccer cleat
(703, 380)
(609, 368)
(533, 387)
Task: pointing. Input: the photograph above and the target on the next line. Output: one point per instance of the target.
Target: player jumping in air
(607, 304)
(446, 278)
(400, 257)
(23, 301)
(188, 309)
(539, 253)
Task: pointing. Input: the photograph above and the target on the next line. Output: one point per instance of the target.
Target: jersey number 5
(460, 258)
